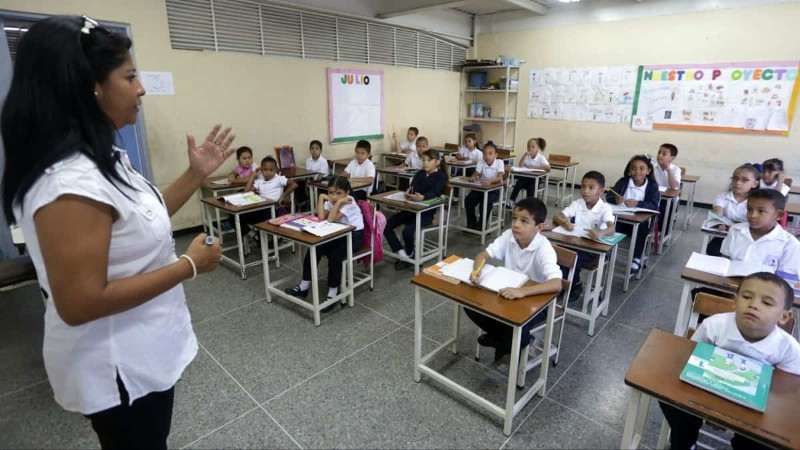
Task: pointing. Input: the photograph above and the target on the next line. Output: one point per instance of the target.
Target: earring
(95, 93)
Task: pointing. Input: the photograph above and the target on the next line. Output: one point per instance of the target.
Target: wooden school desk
(794, 190)
(316, 185)
(691, 181)
(671, 196)
(709, 233)
(515, 313)
(561, 188)
(461, 166)
(655, 372)
(637, 220)
(422, 251)
(216, 186)
(485, 187)
(219, 204)
(343, 162)
(394, 157)
(603, 280)
(793, 210)
(445, 149)
(535, 176)
(312, 242)
(394, 171)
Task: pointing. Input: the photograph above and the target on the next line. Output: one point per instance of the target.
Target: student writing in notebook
(763, 301)
(246, 166)
(335, 206)
(533, 159)
(637, 188)
(489, 169)
(521, 249)
(361, 169)
(732, 204)
(589, 213)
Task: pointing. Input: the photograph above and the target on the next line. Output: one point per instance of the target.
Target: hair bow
(88, 24)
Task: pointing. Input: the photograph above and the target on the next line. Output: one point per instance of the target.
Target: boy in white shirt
(761, 239)
(316, 162)
(763, 301)
(410, 144)
(414, 159)
(589, 212)
(491, 170)
(266, 182)
(361, 168)
(666, 172)
(521, 249)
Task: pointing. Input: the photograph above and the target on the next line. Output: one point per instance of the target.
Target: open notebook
(492, 278)
(725, 267)
(610, 239)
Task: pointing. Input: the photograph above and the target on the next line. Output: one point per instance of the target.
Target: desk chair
(361, 277)
(706, 304)
(450, 146)
(16, 273)
(559, 182)
(434, 226)
(566, 258)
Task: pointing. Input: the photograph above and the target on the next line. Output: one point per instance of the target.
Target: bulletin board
(355, 104)
(744, 97)
(585, 94)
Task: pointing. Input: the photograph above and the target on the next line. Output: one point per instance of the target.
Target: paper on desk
(399, 196)
(492, 278)
(526, 170)
(221, 182)
(725, 267)
(575, 231)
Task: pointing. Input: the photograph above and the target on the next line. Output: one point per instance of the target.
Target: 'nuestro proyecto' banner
(748, 97)
(355, 104)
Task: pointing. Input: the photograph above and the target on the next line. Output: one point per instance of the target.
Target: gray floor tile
(21, 334)
(205, 398)
(393, 295)
(270, 347)
(383, 407)
(254, 430)
(554, 426)
(32, 419)
(654, 304)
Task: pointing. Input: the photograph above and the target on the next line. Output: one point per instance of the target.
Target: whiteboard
(355, 104)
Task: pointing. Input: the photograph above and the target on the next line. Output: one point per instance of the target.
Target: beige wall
(742, 34)
(269, 101)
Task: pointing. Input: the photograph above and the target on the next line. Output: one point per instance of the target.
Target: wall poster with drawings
(586, 94)
(355, 104)
(746, 97)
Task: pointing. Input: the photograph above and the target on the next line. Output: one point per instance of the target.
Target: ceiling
(395, 8)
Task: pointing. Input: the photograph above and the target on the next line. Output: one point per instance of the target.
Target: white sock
(402, 252)
(305, 284)
(332, 291)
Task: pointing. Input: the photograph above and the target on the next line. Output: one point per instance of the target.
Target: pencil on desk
(613, 192)
(477, 271)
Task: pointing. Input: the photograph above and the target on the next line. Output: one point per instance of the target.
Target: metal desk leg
(635, 419)
(630, 258)
(350, 269)
(456, 317)
(511, 390)
(240, 245)
(265, 265)
(682, 321)
(417, 243)
(417, 333)
(314, 282)
(484, 219)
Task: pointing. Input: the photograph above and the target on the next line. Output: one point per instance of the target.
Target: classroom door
(7, 249)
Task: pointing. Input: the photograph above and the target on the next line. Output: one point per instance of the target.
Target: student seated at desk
(521, 249)
(410, 144)
(761, 239)
(772, 176)
(533, 159)
(361, 169)
(266, 182)
(588, 212)
(335, 206)
(668, 176)
(763, 301)
(426, 184)
(489, 168)
(413, 161)
(469, 151)
(316, 162)
(246, 165)
(733, 204)
(638, 188)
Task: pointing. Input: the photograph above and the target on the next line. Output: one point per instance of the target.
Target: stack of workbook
(308, 223)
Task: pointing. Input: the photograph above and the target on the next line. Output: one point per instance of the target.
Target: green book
(430, 201)
(612, 239)
(729, 375)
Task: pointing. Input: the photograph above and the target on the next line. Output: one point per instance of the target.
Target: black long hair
(51, 111)
(651, 177)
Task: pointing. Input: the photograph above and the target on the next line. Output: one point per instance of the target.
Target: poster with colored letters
(355, 104)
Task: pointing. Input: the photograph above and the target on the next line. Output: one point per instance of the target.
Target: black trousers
(336, 252)
(475, 200)
(408, 219)
(523, 183)
(583, 259)
(714, 247)
(144, 424)
(638, 246)
(685, 429)
(496, 328)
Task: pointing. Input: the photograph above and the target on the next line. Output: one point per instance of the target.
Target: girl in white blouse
(99, 233)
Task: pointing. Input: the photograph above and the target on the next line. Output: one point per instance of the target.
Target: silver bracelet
(194, 266)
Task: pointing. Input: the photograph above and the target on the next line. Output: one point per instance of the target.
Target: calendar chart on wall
(355, 104)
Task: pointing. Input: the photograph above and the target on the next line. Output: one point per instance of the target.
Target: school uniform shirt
(784, 188)
(777, 249)
(538, 260)
(413, 160)
(319, 166)
(351, 213)
(474, 154)
(490, 172)
(537, 161)
(647, 194)
(271, 189)
(662, 175)
(598, 216)
(242, 172)
(430, 185)
(363, 170)
(731, 208)
(82, 361)
(406, 146)
(777, 349)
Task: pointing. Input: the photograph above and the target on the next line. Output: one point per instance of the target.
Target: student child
(426, 184)
(733, 204)
(666, 172)
(489, 168)
(361, 168)
(316, 162)
(335, 206)
(409, 145)
(266, 182)
(414, 159)
(521, 249)
(246, 165)
(637, 188)
(763, 301)
(761, 239)
(772, 176)
(469, 151)
(533, 159)
(588, 212)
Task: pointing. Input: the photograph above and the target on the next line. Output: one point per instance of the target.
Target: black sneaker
(296, 291)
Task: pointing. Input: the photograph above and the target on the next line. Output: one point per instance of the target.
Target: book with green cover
(612, 239)
(430, 201)
(730, 375)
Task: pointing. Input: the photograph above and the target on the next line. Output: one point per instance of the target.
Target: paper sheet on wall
(157, 83)
(355, 104)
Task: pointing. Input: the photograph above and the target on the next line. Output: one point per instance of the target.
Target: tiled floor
(265, 376)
